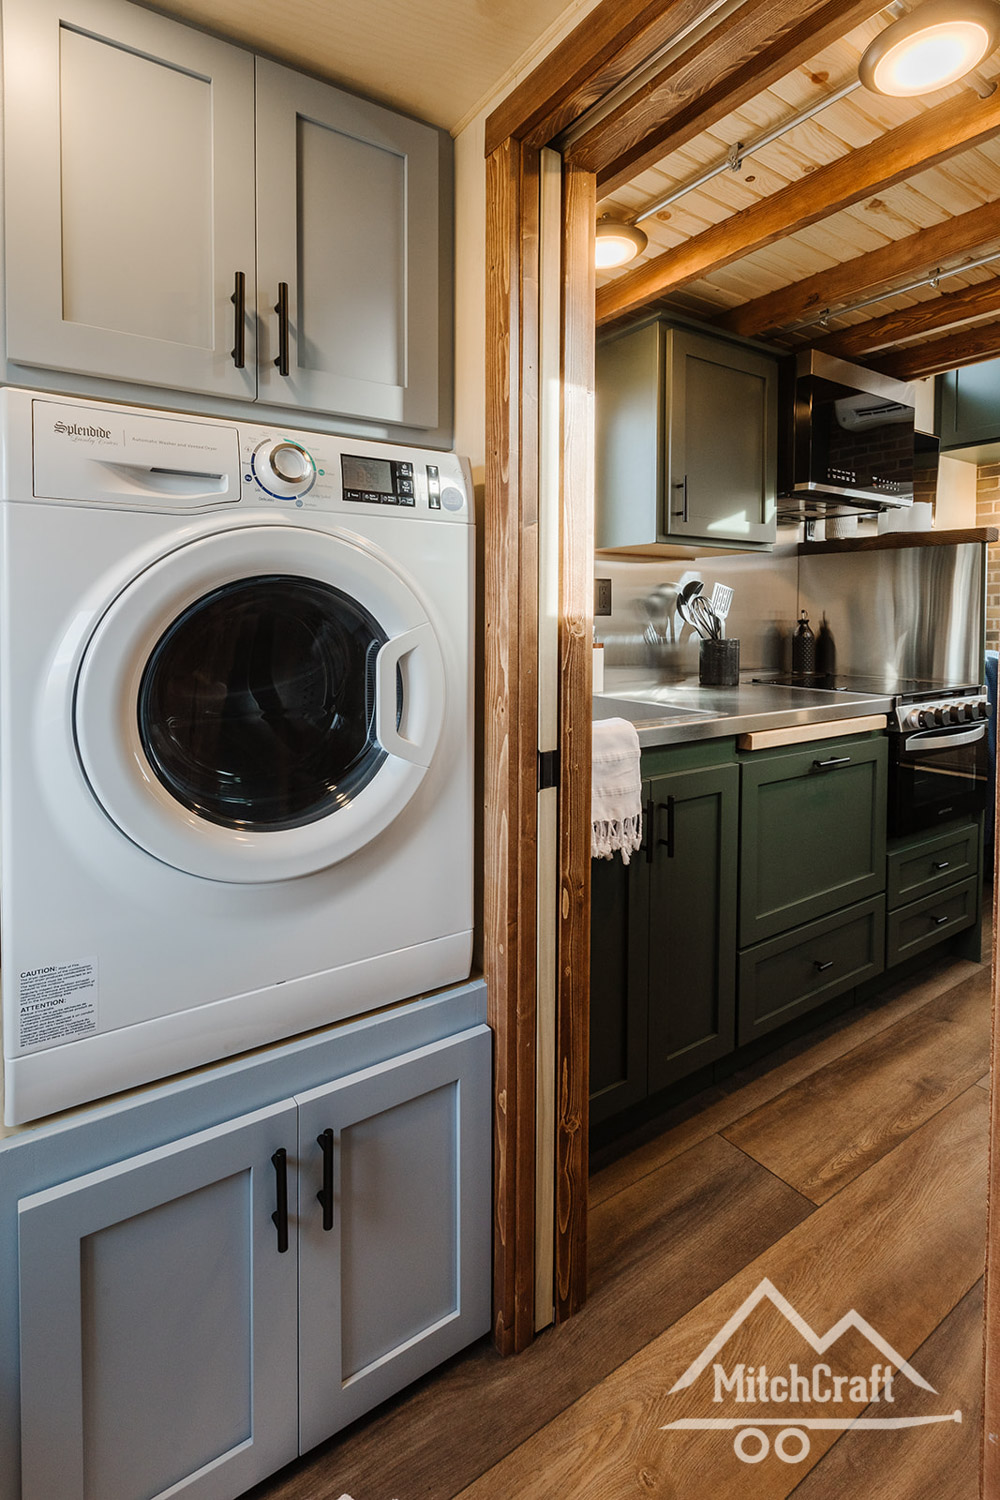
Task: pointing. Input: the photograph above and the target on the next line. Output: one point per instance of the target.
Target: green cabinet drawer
(812, 834)
(923, 923)
(924, 865)
(797, 971)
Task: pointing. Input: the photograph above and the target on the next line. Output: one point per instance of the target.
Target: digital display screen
(367, 474)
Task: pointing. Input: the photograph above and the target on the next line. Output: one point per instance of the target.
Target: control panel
(322, 472)
(944, 713)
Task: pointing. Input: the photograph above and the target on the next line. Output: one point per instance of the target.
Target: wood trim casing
(511, 732)
(942, 132)
(744, 54)
(576, 623)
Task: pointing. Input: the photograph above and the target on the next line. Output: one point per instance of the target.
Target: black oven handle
(914, 743)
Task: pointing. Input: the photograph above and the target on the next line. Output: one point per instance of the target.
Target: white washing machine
(235, 738)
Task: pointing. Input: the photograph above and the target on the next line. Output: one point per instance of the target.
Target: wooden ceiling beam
(762, 41)
(957, 125)
(911, 256)
(966, 348)
(617, 37)
(946, 311)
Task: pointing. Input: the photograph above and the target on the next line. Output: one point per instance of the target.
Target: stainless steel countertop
(678, 712)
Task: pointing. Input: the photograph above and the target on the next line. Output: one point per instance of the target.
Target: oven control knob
(983, 710)
(955, 713)
(941, 715)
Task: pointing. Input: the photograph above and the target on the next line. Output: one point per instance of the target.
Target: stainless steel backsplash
(905, 612)
(911, 611)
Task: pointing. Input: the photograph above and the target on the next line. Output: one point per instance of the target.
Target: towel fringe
(622, 835)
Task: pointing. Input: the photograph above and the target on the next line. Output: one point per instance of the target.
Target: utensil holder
(719, 663)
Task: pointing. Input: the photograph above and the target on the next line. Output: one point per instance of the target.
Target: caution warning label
(58, 1002)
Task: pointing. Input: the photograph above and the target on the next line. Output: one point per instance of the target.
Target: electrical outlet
(602, 596)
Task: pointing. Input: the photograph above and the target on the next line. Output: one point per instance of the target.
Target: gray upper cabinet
(686, 440)
(129, 195)
(347, 216)
(166, 192)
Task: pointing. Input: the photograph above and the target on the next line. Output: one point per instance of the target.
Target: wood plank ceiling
(851, 206)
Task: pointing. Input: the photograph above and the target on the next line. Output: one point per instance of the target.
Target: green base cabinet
(663, 941)
(812, 833)
(934, 889)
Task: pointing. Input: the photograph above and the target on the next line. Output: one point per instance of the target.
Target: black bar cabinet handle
(239, 301)
(281, 308)
(831, 765)
(943, 864)
(669, 840)
(325, 1195)
(939, 921)
(649, 823)
(280, 1216)
(820, 967)
(682, 484)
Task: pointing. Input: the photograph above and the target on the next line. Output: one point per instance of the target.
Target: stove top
(907, 689)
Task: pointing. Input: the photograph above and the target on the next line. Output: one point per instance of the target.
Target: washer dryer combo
(235, 738)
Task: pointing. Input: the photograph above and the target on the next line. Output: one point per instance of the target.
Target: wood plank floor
(848, 1169)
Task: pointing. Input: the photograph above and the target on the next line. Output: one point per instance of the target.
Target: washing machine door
(260, 703)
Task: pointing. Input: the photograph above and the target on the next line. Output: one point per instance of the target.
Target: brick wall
(988, 514)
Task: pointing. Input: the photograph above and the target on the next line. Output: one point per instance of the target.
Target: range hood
(847, 440)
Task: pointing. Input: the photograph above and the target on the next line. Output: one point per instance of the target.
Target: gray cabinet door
(722, 440)
(129, 193)
(158, 1322)
(400, 1278)
(347, 222)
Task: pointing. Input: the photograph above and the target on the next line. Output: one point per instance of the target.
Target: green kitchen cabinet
(812, 836)
(969, 405)
(694, 829)
(663, 938)
(686, 439)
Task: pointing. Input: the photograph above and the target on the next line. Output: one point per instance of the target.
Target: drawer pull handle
(280, 1216)
(943, 864)
(325, 1195)
(831, 765)
(682, 484)
(939, 921)
(821, 967)
(669, 840)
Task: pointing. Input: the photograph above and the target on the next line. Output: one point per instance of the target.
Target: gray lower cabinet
(181, 214)
(194, 1316)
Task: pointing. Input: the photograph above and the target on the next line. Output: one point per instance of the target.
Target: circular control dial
(284, 470)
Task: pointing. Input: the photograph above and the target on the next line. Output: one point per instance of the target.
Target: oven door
(935, 776)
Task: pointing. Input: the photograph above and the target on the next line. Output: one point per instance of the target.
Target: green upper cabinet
(686, 440)
(969, 405)
(812, 833)
(180, 214)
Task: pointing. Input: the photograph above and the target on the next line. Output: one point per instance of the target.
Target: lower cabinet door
(619, 942)
(692, 923)
(158, 1321)
(394, 1226)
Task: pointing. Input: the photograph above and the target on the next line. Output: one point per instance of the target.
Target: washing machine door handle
(417, 654)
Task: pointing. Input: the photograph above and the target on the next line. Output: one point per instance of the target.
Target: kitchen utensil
(701, 617)
(721, 600)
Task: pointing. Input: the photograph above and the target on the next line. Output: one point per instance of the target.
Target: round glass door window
(257, 706)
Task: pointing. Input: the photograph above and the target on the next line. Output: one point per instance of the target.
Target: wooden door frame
(612, 40)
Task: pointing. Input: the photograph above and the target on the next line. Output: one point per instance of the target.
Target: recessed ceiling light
(936, 44)
(616, 243)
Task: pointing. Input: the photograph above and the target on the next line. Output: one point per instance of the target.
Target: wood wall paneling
(511, 617)
(747, 52)
(576, 681)
(933, 136)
